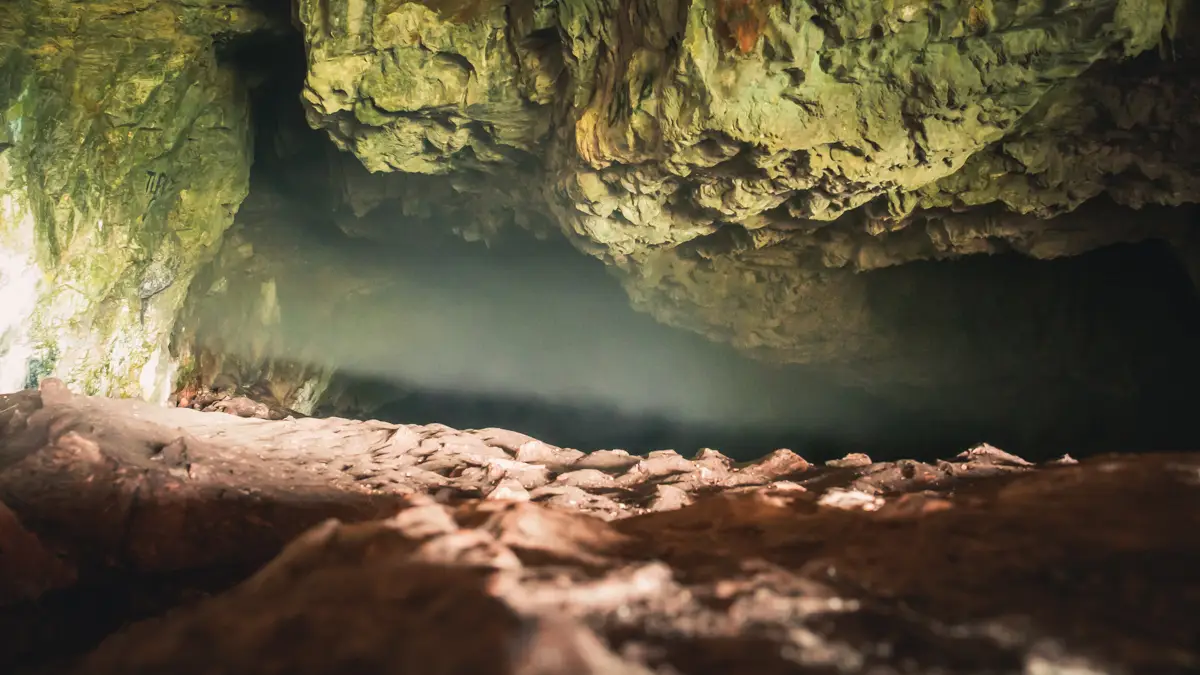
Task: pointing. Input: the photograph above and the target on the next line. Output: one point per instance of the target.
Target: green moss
(41, 366)
(132, 143)
(189, 373)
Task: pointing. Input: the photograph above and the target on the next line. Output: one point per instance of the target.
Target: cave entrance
(389, 315)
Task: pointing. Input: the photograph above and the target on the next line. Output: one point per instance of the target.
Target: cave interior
(543, 337)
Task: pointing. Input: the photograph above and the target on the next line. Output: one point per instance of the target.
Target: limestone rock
(124, 153)
(674, 119)
(421, 88)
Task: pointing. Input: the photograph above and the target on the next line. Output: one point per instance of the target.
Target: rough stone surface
(124, 153)
(806, 137)
(487, 551)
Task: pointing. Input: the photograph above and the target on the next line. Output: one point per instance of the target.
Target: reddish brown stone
(604, 564)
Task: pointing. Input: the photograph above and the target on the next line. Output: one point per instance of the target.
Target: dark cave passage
(1079, 355)
(532, 336)
(1088, 354)
(586, 427)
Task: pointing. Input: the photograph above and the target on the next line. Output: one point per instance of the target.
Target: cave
(544, 337)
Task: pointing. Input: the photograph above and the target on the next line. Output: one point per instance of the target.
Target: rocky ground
(155, 540)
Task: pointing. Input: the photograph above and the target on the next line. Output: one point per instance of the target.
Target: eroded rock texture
(124, 153)
(432, 549)
(824, 138)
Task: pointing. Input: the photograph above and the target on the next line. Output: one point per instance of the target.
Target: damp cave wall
(1077, 355)
(125, 153)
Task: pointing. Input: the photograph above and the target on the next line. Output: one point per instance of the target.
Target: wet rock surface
(125, 149)
(393, 548)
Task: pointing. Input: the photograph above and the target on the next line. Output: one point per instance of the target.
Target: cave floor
(140, 539)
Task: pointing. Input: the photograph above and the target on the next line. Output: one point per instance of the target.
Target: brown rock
(882, 568)
(854, 459)
(668, 497)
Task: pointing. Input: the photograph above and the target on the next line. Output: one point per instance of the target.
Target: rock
(726, 167)
(586, 478)
(125, 154)
(856, 459)
(668, 497)
(461, 606)
(1014, 570)
(645, 170)
(563, 646)
(657, 465)
(30, 570)
(778, 464)
(606, 460)
(988, 454)
(509, 489)
(573, 498)
(850, 499)
(549, 455)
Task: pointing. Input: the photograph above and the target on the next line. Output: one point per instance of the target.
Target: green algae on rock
(127, 154)
(674, 118)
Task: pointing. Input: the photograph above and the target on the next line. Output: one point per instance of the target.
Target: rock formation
(791, 178)
(812, 139)
(124, 154)
(428, 549)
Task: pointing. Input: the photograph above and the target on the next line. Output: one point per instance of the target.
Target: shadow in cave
(534, 337)
(585, 427)
(1087, 354)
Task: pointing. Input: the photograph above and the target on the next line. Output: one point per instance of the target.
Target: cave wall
(124, 154)
(239, 323)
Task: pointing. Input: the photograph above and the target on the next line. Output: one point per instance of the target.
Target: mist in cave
(532, 336)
